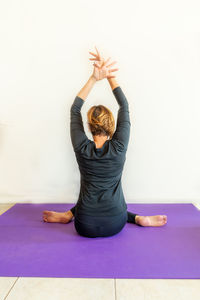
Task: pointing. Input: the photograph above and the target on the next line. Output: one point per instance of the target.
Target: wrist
(93, 79)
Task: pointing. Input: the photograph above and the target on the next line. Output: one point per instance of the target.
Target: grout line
(11, 288)
(115, 289)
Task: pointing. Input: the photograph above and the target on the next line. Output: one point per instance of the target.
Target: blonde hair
(101, 121)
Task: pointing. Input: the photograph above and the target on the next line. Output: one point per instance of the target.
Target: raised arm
(77, 133)
(122, 133)
(113, 83)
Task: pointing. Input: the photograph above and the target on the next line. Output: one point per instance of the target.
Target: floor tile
(5, 206)
(6, 284)
(197, 205)
(157, 289)
(33, 288)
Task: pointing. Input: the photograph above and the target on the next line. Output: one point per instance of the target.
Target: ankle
(137, 219)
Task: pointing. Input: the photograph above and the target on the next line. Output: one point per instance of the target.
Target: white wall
(44, 62)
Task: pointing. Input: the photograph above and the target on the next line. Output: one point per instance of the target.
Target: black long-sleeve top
(101, 169)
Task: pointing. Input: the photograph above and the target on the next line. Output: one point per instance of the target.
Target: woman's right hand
(102, 69)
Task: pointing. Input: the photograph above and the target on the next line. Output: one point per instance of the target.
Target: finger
(114, 70)
(111, 64)
(107, 60)
(94, 64)
(111, 76)
(92, 53)
(102, 63)
(93, 58)
(98, 53)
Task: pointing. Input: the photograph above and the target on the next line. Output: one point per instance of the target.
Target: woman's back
(101, 169)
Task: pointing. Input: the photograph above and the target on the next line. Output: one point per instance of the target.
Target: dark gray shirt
(101, 169)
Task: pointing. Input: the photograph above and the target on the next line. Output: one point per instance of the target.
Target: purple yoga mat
(30, 247)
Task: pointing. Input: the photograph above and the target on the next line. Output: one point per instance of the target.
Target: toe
(165, 220)
(45, 218)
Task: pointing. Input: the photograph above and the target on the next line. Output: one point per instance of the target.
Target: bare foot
(158, 220)
(59, 217)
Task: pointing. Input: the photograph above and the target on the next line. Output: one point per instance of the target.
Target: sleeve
(122, 132)
(77, 133)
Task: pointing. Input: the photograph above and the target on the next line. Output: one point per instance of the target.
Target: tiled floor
(30, 288)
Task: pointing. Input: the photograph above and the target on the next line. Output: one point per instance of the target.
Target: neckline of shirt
(101, 147)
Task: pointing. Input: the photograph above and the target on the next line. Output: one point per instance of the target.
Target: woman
(101, 209)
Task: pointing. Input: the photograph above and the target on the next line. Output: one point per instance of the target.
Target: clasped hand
(101, 68)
